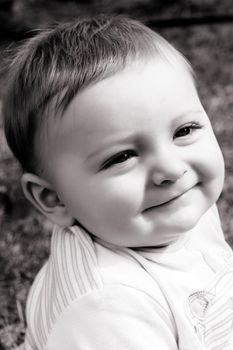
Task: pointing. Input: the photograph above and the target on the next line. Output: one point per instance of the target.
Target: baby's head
(104, 117)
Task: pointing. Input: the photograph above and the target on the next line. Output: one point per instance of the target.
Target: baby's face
(134, 157)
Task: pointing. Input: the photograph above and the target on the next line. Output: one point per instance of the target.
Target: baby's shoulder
(70, 272)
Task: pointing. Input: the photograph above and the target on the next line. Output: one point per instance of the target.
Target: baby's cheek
(127, 194)
(210, 160)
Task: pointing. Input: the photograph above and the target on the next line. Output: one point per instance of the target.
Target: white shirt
(93, 296)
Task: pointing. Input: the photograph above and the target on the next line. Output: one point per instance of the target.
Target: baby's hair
(49, 69)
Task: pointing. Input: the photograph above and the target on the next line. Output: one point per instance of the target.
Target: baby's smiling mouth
(163, 204)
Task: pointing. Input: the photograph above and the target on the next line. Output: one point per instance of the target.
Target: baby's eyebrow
(120, 140)
(199, 111)
(188, 114)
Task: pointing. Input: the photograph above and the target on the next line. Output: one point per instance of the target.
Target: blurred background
(201, 29)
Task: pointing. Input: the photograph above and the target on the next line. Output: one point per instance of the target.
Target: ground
(24, 236)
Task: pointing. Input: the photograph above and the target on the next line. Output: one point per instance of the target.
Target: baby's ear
(42, 195)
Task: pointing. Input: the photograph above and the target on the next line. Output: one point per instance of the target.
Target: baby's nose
(167, 168)
(161, 179)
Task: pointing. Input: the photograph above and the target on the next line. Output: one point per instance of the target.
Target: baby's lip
(167, 201)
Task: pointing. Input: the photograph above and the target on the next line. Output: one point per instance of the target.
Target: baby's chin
(162, 243)
(169, 236)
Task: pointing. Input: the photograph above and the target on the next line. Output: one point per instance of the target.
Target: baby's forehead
(139, 83)
(154, 68)
(123, 85)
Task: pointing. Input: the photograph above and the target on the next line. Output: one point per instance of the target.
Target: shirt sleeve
(113, 318)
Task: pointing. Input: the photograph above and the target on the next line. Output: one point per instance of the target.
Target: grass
(24, 238)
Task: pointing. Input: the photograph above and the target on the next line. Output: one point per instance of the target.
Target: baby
(118, 152)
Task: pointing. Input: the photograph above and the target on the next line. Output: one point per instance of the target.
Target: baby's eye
(119, 158)
(187, 130)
